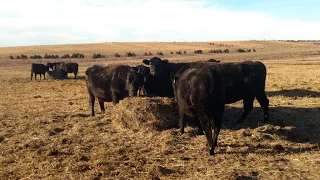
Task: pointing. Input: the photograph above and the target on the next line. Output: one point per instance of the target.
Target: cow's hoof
(211, 151)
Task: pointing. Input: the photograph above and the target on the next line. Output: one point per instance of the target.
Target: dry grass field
(46, 131)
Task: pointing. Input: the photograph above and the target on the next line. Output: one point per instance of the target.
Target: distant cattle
(50, 56)
(199, 92)
(77, 55)
(148, 54)
(130, 54)
(240, 50)
(63, 66)
(116, 55)
(11, 57)
(179, 52)
(70, 68)
(160, 53)
(245, 80)
(95, 56)
(36, 57)
(65, 56)
(226, 51)
(39, 69)
(112, 83)
(198, 51)
(23, 56)
(53, 65)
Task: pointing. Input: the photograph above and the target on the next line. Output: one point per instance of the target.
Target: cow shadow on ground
(302, 123)
(294, 93)
(70, 77)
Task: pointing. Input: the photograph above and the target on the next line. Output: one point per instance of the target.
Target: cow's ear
(146, 61)
(165, 61)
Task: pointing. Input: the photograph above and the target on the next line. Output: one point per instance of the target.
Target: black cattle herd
(201, 89)
(62, 68)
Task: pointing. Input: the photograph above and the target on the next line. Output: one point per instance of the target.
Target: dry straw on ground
(146, 113)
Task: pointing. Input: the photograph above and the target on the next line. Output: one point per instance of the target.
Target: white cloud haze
(88, 21)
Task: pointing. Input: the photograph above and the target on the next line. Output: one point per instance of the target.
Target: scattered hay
(146, 113)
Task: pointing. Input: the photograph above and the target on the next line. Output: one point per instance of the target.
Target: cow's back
(102, 81)
(242, 79)
(199, 87)
(39, 68)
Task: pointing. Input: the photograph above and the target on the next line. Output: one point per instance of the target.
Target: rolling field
(46, 131)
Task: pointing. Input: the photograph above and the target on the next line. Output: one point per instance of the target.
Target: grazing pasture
(46, 131)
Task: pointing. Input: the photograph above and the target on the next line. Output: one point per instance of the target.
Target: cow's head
(157, 66)
(134, 81)
(144, 70)
(51, 65)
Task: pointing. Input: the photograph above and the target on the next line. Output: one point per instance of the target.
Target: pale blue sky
(38, 22)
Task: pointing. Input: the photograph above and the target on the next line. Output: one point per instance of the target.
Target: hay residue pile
(146, 113)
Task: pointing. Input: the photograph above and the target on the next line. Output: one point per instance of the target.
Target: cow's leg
(31, 75)
(217, 123)
(182, 122)
(115, 98)
(44, 76)
(75, 75)
(200, 129)
(35, 76)
(206, 125)
(91, 102)
(247, 107)
(101, 103)
(264, 103)
(40, 76)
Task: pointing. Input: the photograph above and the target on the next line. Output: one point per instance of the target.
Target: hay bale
(146, 113)
(58, 74)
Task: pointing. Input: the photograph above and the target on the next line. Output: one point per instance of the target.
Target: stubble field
(46, 131)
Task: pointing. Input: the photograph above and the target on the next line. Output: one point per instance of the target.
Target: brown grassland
(46, 131)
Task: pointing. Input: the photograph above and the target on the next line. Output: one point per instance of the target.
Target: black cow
(161, 70)
(246, 81)
(243, 81)
(38, 69)
(66, 67)
(53, 65)
(150, 84)
(199, 91)
(69, 68)
(112, 83)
